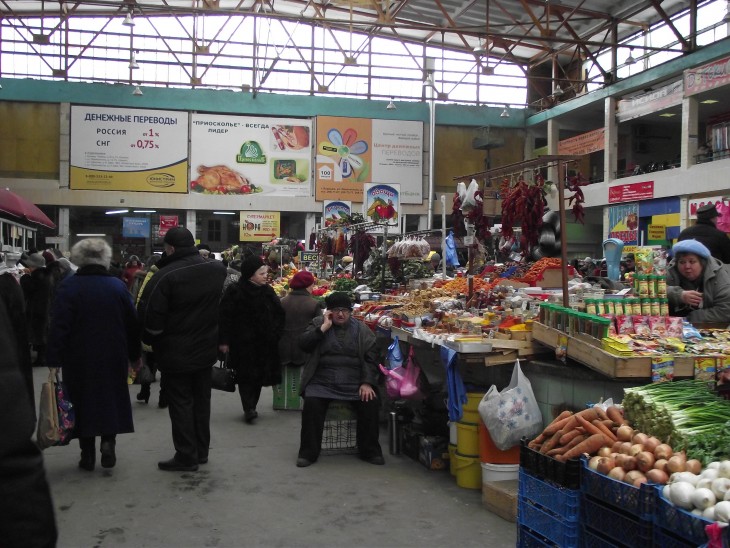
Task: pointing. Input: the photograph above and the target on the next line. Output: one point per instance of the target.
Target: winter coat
(301, 308)
(12, 295)
(712, 237)
(128, 274)
(251, 323)
(715, 294)
(94, 335)
(25, 499)
(38, 290)
(178, 311)
(310, 341)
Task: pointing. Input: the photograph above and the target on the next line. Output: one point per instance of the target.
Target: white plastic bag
(513, 413)
(469, 201)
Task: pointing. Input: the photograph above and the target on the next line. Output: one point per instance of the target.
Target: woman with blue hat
(698, 285)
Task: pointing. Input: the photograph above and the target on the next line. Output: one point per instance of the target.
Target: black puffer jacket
(712, 237)
(178, 311)
(251, 322)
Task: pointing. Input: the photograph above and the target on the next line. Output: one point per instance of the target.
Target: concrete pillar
(64, 146)
(190, 221)
(610, 140)
(64, 229)
(309, 226)
(553, 137)
(690, 128)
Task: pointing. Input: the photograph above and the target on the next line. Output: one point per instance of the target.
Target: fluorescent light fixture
(144, 211)
(137, 91)
(667, 115)
(90, 235)
(224, 213)
(391, 105)
(709, 101)
(117, 211)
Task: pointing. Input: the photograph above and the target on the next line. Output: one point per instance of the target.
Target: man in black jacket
(707, 233)
(179, 315)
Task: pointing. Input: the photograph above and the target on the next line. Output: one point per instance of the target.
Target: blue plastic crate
(565, 474)
(680, 522)
(559, 500)
(530, 539)
(593, 539)
(623, 528)
(553, 528)
(665, 539)
(639, 502)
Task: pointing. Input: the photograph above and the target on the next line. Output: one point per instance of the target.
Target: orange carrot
(589, 414)
(605, 430)
(615, 414)
(575, 441)
(553, 427)
(556, 451)
(601, 413)
(589, 446)
(568, 436)
(552, 442)
(564, 415)
(589, 426)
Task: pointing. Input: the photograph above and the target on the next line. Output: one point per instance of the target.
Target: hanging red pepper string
(577, 199)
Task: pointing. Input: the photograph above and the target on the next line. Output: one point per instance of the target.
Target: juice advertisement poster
(382, 203)
(335, 211)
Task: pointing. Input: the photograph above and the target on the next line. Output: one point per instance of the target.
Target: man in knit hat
(37, 287)
(707, 233)
(178, 311)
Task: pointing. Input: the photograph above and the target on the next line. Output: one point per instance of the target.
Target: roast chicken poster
(242, 155)
(355, 151)
(128, 149)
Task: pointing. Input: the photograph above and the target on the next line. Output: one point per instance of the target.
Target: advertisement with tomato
(623, 223)
(382, 203)
(336, 211)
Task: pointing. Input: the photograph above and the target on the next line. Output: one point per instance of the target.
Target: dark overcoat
(251, 323)
(93, 336)
(300, 308)
(38, 290)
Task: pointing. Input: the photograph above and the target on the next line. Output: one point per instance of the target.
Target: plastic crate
(623, 528)
(639, 502)
(559, 500)
(339, 437)
(565, 474)
(552, 527)
(286, 394)
(593, 539)
(665, 539)
(679, 522)
(530, 539)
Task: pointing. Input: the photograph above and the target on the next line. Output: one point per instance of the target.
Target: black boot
(144, 393)
(108, 453)
(88, 454)
(162, 403)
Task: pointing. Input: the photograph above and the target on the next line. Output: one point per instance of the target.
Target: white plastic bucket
(499, 472)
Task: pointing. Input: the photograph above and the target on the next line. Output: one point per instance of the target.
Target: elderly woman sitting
(698, 285)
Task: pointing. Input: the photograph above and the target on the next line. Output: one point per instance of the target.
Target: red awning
(17, 206)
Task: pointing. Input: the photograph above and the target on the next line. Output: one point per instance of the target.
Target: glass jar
(651, 286)
(661, 286)
(643, 286)
(591, 306)
(635, 307)
(655, 310)
(609, 306)
(645, 307)
(664, 307)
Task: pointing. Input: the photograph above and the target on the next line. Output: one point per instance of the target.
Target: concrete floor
(251, 494)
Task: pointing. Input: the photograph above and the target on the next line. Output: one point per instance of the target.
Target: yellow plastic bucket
(452, 459)
(471, 407)
(468, 471)
(467, 438)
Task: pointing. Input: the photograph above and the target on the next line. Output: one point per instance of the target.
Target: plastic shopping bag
(409, 385)
(513, 413)
(393, 379)
(395, 356)
(469, 201)
(452, 258)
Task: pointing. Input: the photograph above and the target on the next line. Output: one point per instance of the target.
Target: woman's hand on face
(327, 323)
(366, 392)
(692, 298)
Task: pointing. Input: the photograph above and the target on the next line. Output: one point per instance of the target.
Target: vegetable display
(523, 203)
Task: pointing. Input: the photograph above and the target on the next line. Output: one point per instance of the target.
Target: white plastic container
(453, 433)
(499, 472)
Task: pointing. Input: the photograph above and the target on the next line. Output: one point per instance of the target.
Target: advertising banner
(259, 226)
(355, 151)
(382, 203)
(242, 155)
(334, 211)
(694, 204)
(136, 227)
(651, 101)
(656, 232)
(592, 141)
(129, 149)
(631, 192)
(623, 223)
(709, 76)
(166, 223)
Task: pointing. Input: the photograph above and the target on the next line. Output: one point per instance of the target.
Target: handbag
(223, 377)
(145, 375)
(56, 415)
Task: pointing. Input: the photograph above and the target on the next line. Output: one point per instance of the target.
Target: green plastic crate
(286, 394)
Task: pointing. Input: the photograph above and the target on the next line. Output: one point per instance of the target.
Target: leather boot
(108, 453)
(88, 454)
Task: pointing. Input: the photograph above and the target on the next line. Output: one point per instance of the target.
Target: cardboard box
(500, 498)
(434, 452)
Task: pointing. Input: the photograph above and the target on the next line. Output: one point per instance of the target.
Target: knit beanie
(179, 236)
(250, 265)
(338, 299)
(691, 246)
(301, 280)
(35, 260)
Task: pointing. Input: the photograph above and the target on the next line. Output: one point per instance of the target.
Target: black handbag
(145, 375)
(223, 377)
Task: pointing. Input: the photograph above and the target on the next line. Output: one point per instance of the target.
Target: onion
(604, 452)
(657, 476)
(704, 483)
(605, 464)
(624, 433)
(593, 463)
(639, 481)
(709, 513)
(722, 511)
(617, 473)
(676, 464)
(720, 486)
(651, 443)
(703, 498)
(639, 438)
(663, 451)
(725, 469)
(625, 447)
(687, 477)
(661, 464)
(711, 473)
(694, 466)
(667, 492)
(616, 447)
(645, 461)
(632, 475)
(714, 465)
(636, 449)
(682, 494)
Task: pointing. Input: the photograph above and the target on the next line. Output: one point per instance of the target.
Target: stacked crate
(549, 500)
(675, 527)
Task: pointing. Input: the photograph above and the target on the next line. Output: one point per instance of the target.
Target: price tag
(308, 256)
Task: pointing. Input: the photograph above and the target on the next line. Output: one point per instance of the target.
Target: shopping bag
(393, 379)
(395, 356)
(47, 434)
(452, 258)
(511, 414)
(145, 375)
(409, 384)
(223, 377)
(66, 413)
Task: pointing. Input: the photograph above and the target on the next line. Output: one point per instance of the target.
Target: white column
(553, 137)
(690, 128)
(309, 225)
(64, 146)
(64, 230)
(190, 220)
(610, 140)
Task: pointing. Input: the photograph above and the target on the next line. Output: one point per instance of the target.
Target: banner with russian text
(355, 151)
(128, 149)
(250, 155)
(623, 223)
(259, 226)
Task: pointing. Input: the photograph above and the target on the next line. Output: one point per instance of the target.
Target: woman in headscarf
(93, 338)
(251, 323)
(698, 285)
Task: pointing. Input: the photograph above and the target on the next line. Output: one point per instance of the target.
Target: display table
(588, 351)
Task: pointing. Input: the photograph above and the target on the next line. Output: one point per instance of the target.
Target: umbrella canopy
(17, 206)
